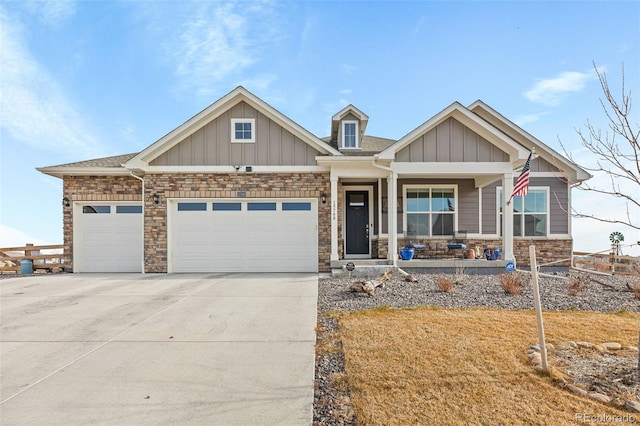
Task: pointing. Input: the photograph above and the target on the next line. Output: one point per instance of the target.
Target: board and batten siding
(211, 144)
(451, 141)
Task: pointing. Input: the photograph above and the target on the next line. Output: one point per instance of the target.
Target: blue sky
(85, 79)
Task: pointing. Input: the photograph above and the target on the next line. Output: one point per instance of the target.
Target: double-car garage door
(208, 235)
(250, 236)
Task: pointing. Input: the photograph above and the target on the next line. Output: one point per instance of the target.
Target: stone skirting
(196, 185)
(547, 251)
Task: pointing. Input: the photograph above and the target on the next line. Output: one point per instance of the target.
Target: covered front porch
(364, 193)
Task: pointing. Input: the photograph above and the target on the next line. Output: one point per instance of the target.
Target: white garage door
(108, 238)
(243, 236)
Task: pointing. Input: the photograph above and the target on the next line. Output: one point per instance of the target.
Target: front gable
(207, 139)
(451, 141)
(456, 135)
(212, 145)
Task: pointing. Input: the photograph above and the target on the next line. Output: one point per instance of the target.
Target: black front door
(357, 218)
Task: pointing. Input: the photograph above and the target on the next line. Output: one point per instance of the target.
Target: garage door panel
(268, 238)
(106, 240)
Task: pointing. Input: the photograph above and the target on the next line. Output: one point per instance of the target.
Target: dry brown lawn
(441, 366)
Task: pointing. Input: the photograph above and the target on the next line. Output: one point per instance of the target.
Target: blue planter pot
(406, 253)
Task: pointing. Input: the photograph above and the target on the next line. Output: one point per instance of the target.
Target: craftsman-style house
(241, 187)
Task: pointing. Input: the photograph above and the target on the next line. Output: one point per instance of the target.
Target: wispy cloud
(34, 108)
(11, 237)
(529, 118)
(418, 26)
(52, 12)
(348, 68)
(553, 91)
(218, 43)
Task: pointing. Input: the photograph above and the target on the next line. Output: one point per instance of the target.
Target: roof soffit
(216, 109)
(575, 172)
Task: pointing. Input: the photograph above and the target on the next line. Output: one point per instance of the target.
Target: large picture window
(430, 211)
(530, 213)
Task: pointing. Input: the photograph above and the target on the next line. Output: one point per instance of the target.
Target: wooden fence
(607, 263)
(45, 258)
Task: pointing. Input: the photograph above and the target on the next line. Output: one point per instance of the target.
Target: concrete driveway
(203, 349)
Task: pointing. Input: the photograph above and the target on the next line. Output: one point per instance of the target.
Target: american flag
(521, 186)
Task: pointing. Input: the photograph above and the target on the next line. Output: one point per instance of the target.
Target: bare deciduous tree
(617, 152)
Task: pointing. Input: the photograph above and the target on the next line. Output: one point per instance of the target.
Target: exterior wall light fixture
(323, 197)
(156, 198)
(65, 202)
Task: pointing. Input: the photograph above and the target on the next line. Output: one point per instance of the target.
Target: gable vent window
(350, 134)
(243, 130)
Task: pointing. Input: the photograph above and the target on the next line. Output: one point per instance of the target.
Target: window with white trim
(430, 211)
(243, 130)
(530, 213)
(350, 134)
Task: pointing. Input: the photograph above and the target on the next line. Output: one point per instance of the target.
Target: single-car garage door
(243, 236)
(108, 237)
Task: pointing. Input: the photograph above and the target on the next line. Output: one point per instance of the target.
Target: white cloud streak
(52, 12)
(219, 43)
(34, 108)
(553, 91)
(529, 118)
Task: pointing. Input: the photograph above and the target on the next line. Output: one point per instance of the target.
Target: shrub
(460, 276)
(576, 283)
(512, 283)
(636, 289)
(444, 284)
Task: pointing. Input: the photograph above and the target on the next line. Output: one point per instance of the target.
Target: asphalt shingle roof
(115, 161)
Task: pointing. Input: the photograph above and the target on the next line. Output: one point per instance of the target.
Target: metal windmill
(616, 238)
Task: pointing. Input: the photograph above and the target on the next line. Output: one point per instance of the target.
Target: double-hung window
(530, 213)
(350, 134)
(430, 211)
(243, 130)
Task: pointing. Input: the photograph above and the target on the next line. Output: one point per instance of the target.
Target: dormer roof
(349, 112)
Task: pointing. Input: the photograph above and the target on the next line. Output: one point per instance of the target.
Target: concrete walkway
(198, 349)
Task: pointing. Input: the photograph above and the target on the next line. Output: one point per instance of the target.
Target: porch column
(507, 217)
(334, 217)
(392, 233)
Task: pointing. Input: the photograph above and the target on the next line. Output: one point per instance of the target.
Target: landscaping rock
(584, 344)
(600, 397)
(536, 359)
(632, 406)
(612, 346)
(577, 390)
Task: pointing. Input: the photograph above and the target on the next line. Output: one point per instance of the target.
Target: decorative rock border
(535, 359)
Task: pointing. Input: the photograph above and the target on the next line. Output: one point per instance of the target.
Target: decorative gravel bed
(332, 405)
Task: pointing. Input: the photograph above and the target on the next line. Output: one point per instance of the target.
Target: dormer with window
(347, 128)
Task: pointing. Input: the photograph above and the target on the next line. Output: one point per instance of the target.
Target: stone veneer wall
(196, 185)
(546, 250)
(94, 188)
(254, 185)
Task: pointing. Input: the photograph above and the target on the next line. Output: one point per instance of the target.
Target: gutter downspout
(143, 209)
